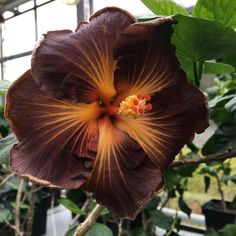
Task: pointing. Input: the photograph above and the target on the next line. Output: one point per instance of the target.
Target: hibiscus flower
(105, 108)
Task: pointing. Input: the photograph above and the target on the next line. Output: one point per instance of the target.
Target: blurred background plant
(205, 44)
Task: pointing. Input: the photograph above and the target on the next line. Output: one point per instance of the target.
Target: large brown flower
(106, 109)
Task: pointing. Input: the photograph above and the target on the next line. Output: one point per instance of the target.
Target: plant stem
(221, 192)
(17, 207)
(120, 229)
(197, 72)
(31, 211)
(84, 207)
(84, 227)
(205, 159)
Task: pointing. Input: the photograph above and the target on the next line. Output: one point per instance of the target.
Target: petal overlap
(56, 137)
(123, 178)
(75, 65)
(146, 61)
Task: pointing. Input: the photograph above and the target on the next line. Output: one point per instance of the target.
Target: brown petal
(146, 59)
(178, 112)
(57, 139)
(123, 178)
(80, 65)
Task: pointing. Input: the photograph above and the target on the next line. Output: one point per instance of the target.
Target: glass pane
(39, 2)
(13, 69)
(18, 34)
(135, 7)
(56, 16)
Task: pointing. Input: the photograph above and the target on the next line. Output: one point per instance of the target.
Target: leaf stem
(197, 72)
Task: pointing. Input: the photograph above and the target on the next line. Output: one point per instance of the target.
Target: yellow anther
(134, 106)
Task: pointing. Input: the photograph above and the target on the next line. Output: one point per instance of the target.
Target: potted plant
(220, 212)
(222, 102)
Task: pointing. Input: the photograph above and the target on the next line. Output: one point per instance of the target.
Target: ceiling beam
(12, 4)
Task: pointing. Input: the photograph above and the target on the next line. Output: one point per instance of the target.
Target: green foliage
(228, 230)
(99, 230)
(161, 220)
(5, 147)
(207, 181)
(184, 207)
(210, 67)
(218, 10)
(71, 206)
(4, 85)
(5, 214)
(204, 40)
(164, 7)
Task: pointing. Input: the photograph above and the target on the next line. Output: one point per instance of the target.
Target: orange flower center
(135, 106)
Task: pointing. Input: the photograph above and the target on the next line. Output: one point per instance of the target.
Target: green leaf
(234, 201)
(204, 40)
(228, 230)
(5, 148)
(230, 106)
(4, 85)
(230, 59)
(71, 206)
(217, 68)
(99, 230)
(223, 139)
(161, 220)
(164, 7)
(220, 101)
(207, 181)
(184, 207)
(71, 231)
(13, 183)
(5, 214)
(222, 11)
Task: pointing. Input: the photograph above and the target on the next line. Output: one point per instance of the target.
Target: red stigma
(147, 97)
(140, 110)
(135, 102)
(149, 106)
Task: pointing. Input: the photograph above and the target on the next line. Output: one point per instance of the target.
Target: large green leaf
(5, 147)
(4, 85)
(71, 206)
(99, 230)
(211, 67)
(222, 11)
(230, 59)
(164, 7)
(198, 40)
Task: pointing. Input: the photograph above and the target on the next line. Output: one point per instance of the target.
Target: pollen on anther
(135, 106)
